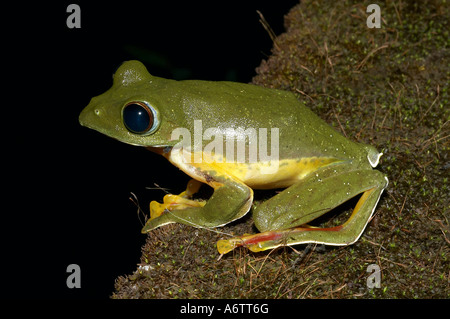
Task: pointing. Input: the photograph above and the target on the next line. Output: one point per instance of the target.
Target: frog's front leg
(175, 202)
(231, 200)
(282, 219)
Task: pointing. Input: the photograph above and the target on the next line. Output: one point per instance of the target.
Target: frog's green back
(231, 105)
(221, 105)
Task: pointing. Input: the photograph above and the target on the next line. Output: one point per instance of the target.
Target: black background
(66, 188)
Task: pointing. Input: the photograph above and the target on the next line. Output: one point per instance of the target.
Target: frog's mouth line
(154, 146)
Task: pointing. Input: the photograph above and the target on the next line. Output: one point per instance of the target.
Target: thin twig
(269, 30)
(369, 55)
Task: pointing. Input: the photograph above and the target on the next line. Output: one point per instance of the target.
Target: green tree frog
(317, 167)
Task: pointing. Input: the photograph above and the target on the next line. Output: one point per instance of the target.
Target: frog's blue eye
(140, 118)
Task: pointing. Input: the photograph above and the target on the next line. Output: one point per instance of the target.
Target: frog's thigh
(313, 196)
(349, 232)
(370, 182)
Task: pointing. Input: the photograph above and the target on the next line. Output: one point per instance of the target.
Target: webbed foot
(176, 202)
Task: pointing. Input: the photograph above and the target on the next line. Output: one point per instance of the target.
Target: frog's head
(130, 110)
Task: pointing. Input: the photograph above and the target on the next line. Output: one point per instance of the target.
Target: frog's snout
(89, 115)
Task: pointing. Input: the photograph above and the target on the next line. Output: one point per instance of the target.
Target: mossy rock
(387, 87)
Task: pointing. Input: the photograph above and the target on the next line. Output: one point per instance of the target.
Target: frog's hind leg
(291, 229)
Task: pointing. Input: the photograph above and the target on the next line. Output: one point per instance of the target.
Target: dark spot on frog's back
(206, 175)
(208, 178)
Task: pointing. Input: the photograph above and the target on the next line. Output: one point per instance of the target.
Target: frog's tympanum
(218, 134)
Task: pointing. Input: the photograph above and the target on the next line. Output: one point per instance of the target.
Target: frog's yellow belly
(258, 175)
(284, 173)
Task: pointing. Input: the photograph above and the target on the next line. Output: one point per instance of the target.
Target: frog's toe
(224, 246)
(171, 203)
(156, 209)
(256, 242)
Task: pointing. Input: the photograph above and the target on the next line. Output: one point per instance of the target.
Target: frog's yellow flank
(255, 175)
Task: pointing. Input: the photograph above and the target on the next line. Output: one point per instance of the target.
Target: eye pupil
(138, 117)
